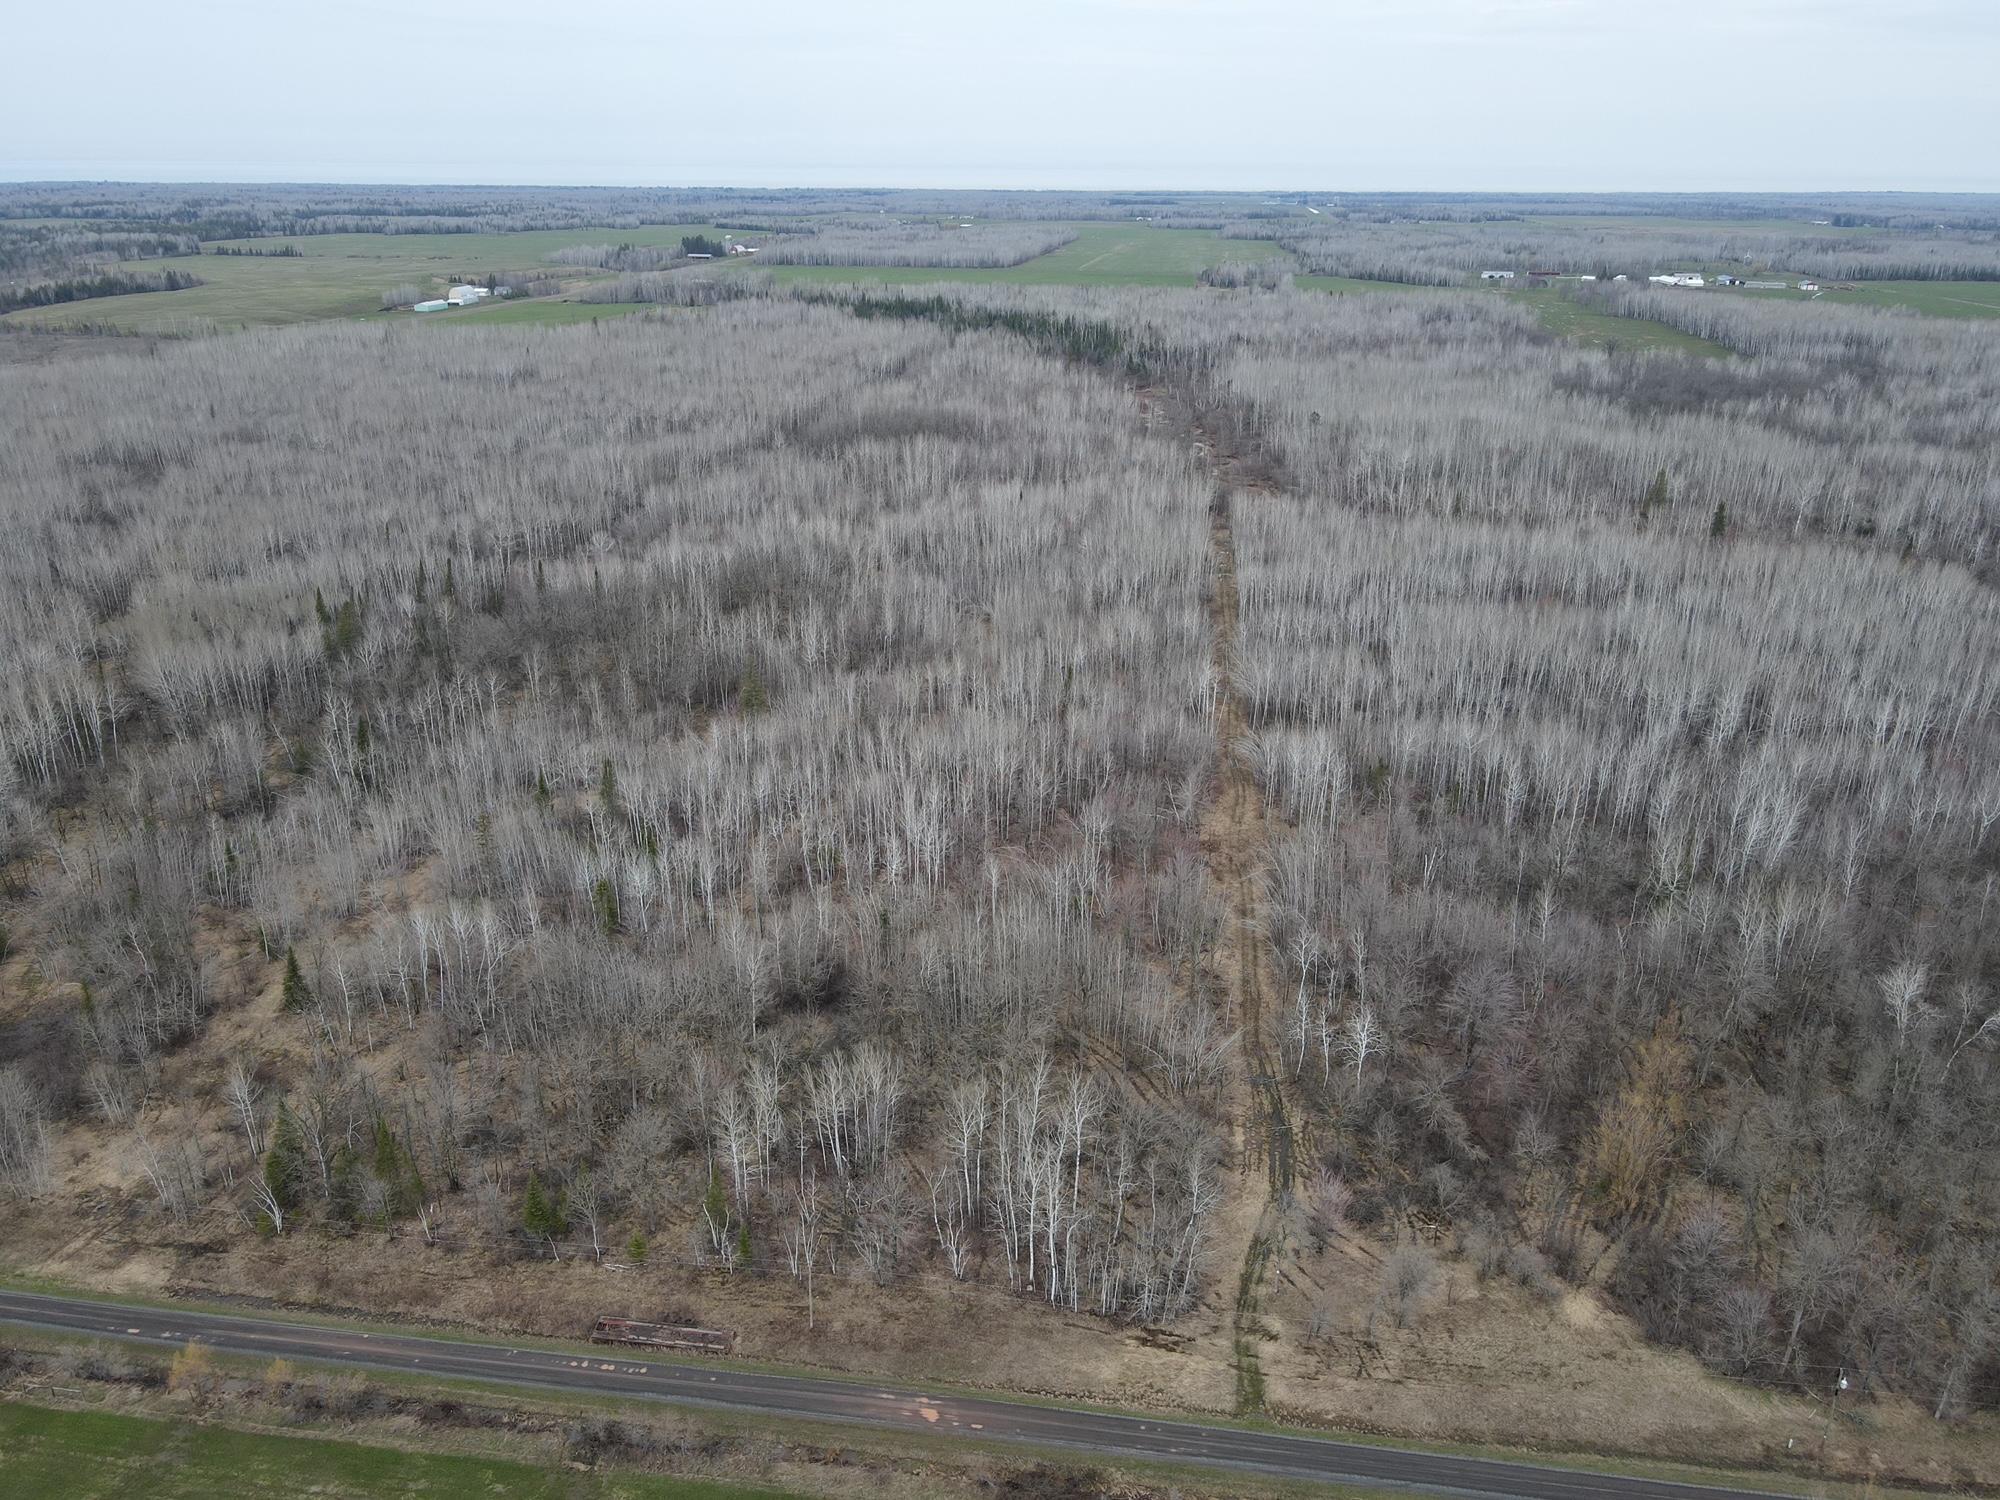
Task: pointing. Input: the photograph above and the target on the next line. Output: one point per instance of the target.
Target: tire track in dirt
(1235, 840)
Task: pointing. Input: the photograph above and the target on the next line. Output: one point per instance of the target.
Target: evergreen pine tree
(388, 1155)
(604, 901)
(607, 787)
(344, 1197)
(1718, 524)
(295, 992)
(1656, 496)
(751, 693)
(285, 1162)
(535, 1213)
(542, 1211)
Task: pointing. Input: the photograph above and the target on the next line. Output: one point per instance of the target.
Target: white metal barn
(464, 296)
(1496, 275)
(436, 304)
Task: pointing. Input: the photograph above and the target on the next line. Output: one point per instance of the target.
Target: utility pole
(1833, 1407)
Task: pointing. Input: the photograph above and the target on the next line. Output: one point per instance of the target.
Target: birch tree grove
(745, 769)
(615, 699)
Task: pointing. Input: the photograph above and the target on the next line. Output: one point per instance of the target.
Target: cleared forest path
(1235, 843)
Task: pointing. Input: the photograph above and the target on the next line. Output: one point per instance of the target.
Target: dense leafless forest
(785, 790)
(733, 784)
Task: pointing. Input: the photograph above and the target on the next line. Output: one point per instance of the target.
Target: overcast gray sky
(1357, 94)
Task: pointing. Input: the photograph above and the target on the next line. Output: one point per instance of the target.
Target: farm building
(742, 249)
(436, 304)
(464, 296)
(1679, 278)
(1496, 275)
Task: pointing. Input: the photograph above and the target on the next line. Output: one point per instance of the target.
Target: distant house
(436, 304)
(1588, 277)
(1808, 286)
(742, 249)
(1496, 275)
(1621, 276)
(703, 254)
(1679, 278)
(464, 296)
(1726, 280)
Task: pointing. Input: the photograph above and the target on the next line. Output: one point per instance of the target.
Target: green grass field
(1557, 314)
(90, 1455)
(336, 276)
(345, 275)
(1582, 325)
(1936, 299)
(543, 310)
(1100, 255)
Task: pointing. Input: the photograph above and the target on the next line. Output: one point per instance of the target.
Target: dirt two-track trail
(1235, 842)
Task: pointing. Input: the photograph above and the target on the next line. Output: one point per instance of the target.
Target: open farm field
(333, 276)
(1570, 319)
(514, 312)
(51, 1454)
(1100, 255)
(1934, 299)
(1560, 315)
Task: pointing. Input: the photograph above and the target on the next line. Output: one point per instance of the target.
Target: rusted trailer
(632, 1333)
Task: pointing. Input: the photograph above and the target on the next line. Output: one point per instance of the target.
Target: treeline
(110, 284)
(29, 249)
(685, 288)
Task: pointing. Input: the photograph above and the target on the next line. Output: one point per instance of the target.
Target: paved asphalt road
(789, 1396)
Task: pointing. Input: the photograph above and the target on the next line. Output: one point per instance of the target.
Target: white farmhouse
(1496, 275)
